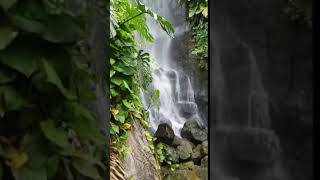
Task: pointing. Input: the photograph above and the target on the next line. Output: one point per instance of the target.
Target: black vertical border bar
(316, 28)
(99, 22)
(210, 121)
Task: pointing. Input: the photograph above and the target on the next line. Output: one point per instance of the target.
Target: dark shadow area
(261, 92)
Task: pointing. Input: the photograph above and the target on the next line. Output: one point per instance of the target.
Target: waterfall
(258, 109)
(177, 101)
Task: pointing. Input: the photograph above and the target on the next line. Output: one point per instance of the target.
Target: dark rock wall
(283, 54)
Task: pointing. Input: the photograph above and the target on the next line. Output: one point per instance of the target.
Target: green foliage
(198, 8)
(198, 15)
(132, 17)
(164, 155)
(45, 132)
(130, 72)
(200, 33)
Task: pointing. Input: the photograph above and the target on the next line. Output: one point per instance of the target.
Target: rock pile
(190, 150)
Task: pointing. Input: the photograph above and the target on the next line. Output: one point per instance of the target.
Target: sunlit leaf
(125, 84)
(120, 117)
(114, 128)
(116, 80)
(127, 103)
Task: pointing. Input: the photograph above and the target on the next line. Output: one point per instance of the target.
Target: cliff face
(140, 164)
(261, 92)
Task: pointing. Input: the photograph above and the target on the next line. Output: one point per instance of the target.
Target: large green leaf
(126, 85)
(55, 134)
(7, 35)
(26, 173)
(120, 117)
(62, 29)
(24, 62)
(84, 122)
(12, 100)
(120, 67)
(86, 169)
(114, 128)
(116, 80)
(53, 78)
(165, 24)
(127, 103)
(28, 24)
(7, 4)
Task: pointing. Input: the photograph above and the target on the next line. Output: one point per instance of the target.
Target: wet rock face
(140, 164)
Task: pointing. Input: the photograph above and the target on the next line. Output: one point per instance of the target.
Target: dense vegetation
(130, 71)
(45, 130)
(198, 16)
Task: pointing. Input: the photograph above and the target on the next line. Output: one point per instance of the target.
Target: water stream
(177, 101)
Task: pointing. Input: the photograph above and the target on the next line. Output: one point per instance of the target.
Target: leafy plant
(164, 155)
(130, 69)
(45, 130)
(200, 33)
(198, 15)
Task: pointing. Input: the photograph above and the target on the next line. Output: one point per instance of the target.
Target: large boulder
(184, 150)
(164, 134)
(193, 132)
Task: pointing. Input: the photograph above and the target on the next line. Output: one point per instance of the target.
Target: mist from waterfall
(177, 101)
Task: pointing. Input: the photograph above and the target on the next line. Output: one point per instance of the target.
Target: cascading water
(177, 102)
(242, 118)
